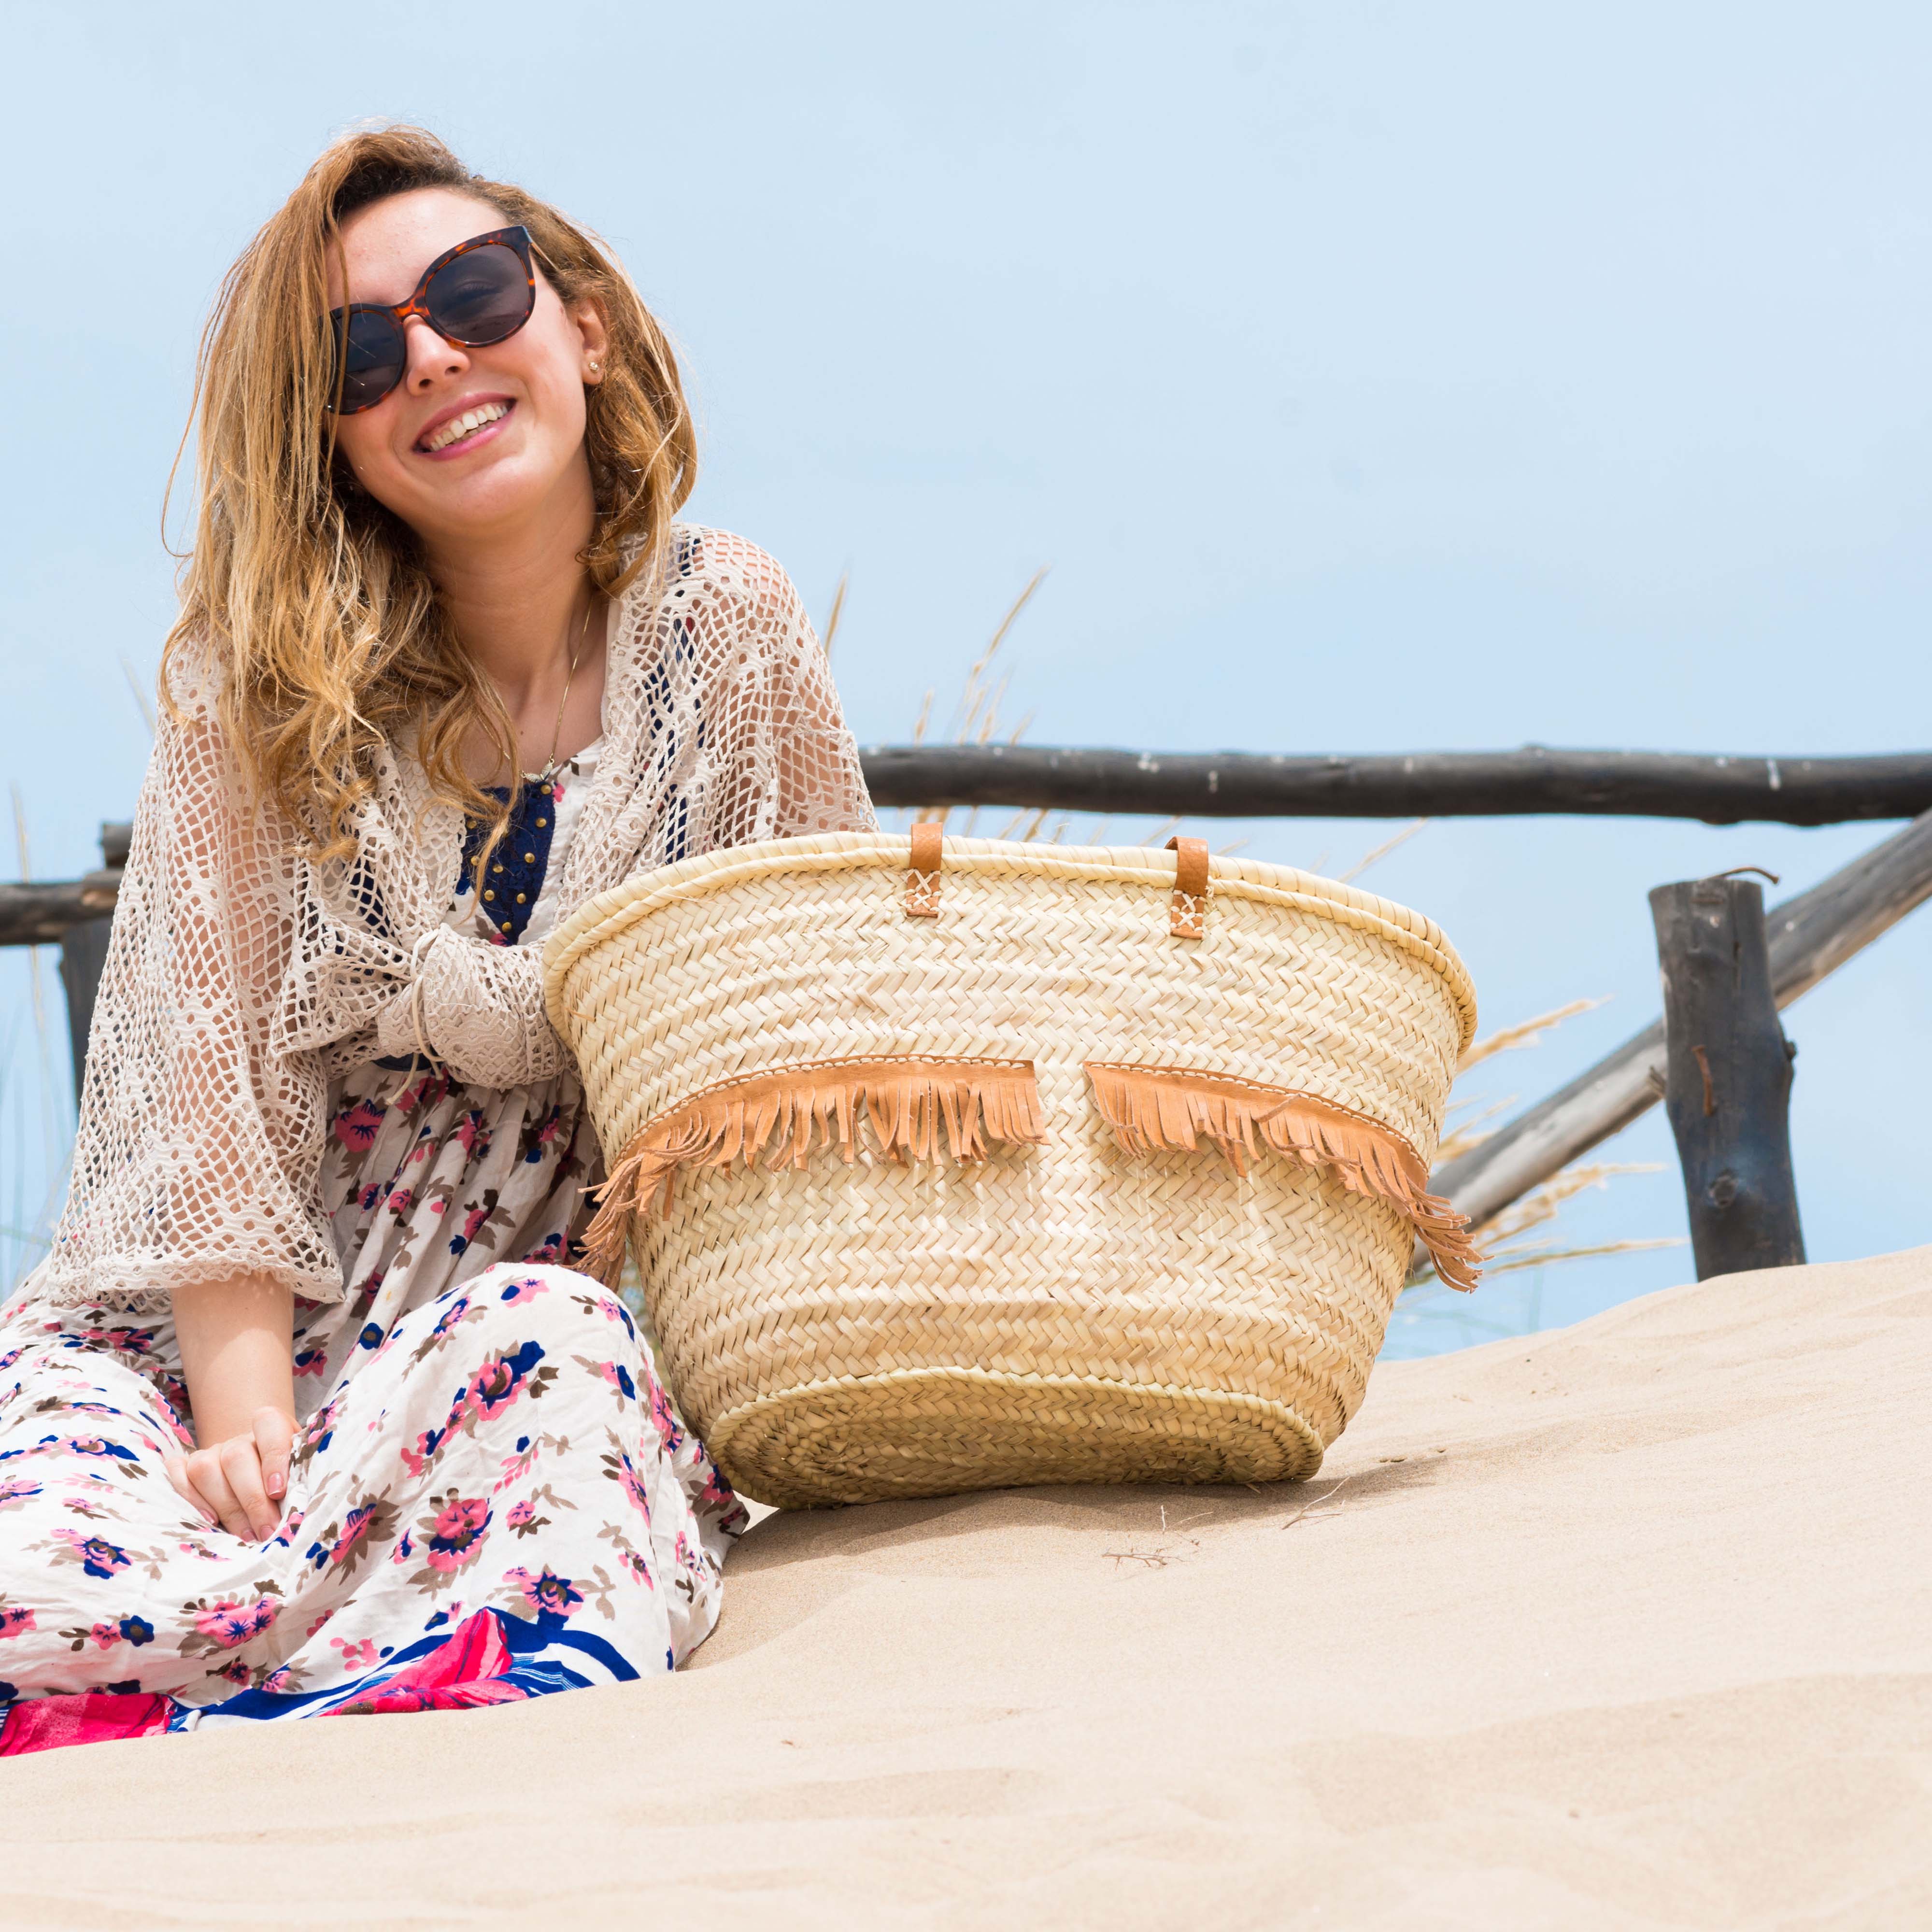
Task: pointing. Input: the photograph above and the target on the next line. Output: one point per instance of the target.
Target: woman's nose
(431, 356)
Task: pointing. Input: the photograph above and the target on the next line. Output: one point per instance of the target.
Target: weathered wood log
(83, 953)
(1811, 936)
(1728, 1076)
(41, 915)
(1719, 790)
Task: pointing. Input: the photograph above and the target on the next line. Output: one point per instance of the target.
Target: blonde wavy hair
(308, 597)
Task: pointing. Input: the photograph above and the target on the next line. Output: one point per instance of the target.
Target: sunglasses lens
(376, 357)
(480, 297)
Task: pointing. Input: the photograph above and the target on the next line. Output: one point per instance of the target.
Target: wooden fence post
(1728, 1082)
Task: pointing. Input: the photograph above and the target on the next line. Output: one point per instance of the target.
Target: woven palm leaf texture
(952, 1166)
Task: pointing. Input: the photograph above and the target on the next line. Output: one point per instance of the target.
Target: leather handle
(921, 892)
(1187, 911)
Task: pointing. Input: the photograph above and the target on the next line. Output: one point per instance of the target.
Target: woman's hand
(241, 1481)
(238, 1361)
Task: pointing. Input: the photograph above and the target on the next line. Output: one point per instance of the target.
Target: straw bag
(1011, 1163)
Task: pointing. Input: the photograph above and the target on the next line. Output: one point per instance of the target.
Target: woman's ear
(593, 340)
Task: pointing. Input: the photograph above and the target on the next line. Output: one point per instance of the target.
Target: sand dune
(1624, 1626)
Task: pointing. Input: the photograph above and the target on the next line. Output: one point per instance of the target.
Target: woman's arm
(236, 1354)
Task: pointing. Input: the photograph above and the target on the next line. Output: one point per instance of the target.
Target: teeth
(459, 427)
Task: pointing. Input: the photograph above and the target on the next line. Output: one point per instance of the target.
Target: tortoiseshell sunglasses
(482, 291)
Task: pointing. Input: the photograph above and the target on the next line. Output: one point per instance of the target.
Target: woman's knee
(557, 1306)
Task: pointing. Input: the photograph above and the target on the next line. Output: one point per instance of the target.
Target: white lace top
(249, 990)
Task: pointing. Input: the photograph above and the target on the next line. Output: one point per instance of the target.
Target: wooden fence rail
(1719, 790)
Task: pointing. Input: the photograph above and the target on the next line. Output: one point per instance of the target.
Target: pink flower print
(311, 1362)
(615, 1374)
(356, 1127)
(340, 1547)
(547, 1595)
(418, 1456)
(401, 1200)
(453, 1537)
(404, 1549)
(89, 1445)
(230, 1622)
(520, 1462)
(440, 1206)
(15, 1623)
(472, 1136)
(523, 1519)
(632, 1484)
(136, 1630)
(98, 1557)
(17, 1490)
(451, 1316)
(355, 1527)
(639, 1568)
(496, 1383)
(525, 1287)
(666, 1420)
(360, 1655)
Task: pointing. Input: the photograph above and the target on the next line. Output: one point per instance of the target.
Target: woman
(308, 1411)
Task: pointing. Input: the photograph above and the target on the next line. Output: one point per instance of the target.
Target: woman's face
(525, 469)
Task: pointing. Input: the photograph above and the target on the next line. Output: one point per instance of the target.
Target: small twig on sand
(1160, 1557)
(1316, 1504)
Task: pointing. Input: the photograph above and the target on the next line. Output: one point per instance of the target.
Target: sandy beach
(1627, 1625)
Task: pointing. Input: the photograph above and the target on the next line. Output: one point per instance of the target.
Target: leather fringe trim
(1150, 1107)
(907, 1100)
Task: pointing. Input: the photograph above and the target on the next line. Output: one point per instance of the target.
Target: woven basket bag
(951, 1168)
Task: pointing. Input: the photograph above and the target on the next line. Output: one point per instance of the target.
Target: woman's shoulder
(698, 559)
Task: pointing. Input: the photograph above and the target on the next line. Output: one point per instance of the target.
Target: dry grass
(1527, 1033)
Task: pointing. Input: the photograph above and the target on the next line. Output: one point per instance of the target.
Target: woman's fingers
(210, 1478)
(242, 1464)
(274, 1437)
(176, 1466)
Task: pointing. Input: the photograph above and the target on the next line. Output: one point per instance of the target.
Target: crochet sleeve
(478, 1010)
(198, 1152)
(790, 766)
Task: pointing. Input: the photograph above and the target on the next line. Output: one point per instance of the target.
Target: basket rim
(614, 910)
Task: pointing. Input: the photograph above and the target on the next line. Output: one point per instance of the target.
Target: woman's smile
(463, 426)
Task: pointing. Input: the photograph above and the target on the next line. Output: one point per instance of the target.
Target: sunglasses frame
(516, 238)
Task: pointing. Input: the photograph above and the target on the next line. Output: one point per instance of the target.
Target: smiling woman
(311, 1358)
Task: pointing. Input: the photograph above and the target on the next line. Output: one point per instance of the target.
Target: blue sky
(1370, 377)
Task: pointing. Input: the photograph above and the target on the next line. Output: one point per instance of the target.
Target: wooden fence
(1802, 940)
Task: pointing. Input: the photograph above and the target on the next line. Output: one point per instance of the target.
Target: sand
(1627, 1625)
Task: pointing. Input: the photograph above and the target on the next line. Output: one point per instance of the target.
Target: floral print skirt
(490, 1498)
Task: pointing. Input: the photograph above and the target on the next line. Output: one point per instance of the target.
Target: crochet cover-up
(490, 1495)
(241, 977)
